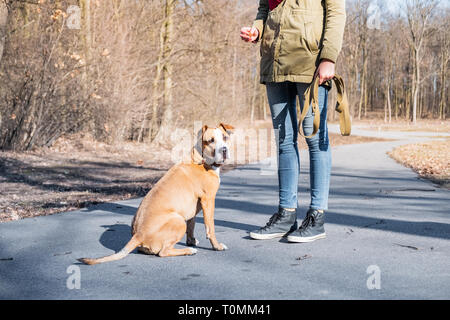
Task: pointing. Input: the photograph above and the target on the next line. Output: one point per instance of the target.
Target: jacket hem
(304, 78)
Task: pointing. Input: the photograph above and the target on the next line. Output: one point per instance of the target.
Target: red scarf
(274, 3)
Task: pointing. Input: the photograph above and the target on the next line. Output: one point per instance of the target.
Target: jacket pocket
(310, 38)
(310, 29)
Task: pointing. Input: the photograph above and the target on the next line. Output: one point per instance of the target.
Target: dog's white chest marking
(217, 171)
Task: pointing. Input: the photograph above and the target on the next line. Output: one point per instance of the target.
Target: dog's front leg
(190, 225)
(190, 239)
(208, 216)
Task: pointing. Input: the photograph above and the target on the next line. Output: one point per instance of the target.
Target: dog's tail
(130, 246)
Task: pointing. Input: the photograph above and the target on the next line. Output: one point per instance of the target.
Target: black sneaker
(311, 229)
(279, 225)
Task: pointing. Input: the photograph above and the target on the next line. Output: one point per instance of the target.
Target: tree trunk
(363, 94)
(443, 71)
(153, 129)
(3, 23)
(167, 117)
(255, 92)
(396, 101)
(416, 85)
(418, 14)
(366, 98)
(442, 104)
(253, 103)
(86, 39)
(363, 41)
(234, 71)
(389, 104)
(407, 104)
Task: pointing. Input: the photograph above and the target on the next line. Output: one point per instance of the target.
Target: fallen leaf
(306, 256)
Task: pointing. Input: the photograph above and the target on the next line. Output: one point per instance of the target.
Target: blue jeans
(282, 100)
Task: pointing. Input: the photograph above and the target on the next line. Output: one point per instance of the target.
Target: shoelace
(274, 218)
(309, 219)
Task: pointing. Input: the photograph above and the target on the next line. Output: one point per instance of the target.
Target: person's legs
(320, 170)
(282, 101)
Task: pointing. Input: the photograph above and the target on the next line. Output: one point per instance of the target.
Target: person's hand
(249, 34)
(325, 71)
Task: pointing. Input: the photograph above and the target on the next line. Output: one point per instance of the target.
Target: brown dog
(168, 211)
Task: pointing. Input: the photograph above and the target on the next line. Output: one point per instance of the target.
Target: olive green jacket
(296, 35)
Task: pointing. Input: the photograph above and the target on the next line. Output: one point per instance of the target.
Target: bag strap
(311, 98)
(342, 106)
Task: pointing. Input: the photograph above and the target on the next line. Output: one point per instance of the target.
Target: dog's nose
(224, 152)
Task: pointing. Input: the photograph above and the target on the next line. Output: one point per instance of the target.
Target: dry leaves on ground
(429, 125)
(430, 160)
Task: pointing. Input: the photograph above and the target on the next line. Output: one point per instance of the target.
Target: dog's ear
(228, 128)
(197, 150)
(204, 128)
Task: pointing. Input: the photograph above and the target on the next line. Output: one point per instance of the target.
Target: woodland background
(132, 70)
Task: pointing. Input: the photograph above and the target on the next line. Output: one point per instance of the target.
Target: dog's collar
(215, 167)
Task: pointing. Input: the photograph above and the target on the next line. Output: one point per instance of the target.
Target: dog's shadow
(116, 236)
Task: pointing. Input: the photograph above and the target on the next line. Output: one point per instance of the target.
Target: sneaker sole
(258, 236)
(306, 239)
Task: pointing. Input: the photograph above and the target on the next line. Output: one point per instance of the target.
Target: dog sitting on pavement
(168, 211)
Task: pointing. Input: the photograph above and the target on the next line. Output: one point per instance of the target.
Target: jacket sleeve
(261, 17)
(334, 29)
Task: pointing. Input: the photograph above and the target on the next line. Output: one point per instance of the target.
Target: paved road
(381, 215)
(402, 136)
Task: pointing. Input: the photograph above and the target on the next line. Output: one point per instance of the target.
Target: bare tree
(167, 70)
(86, 35)
(444, 41)
(3, 22)
(418, 14)
(136, 69)
(362, 7)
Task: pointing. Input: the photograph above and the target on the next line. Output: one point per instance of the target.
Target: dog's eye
(212, 140)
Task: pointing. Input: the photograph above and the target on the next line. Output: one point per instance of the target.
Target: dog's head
(213, 144)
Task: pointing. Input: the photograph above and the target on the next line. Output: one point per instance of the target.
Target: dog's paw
(193, 251)
(192, 242)
(221, 247)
